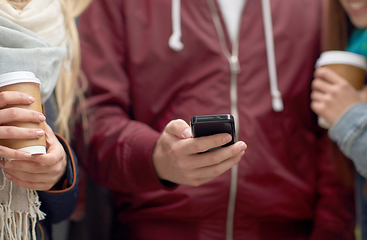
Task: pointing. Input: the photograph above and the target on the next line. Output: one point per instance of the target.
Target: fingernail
(227, 138)
(42, 118)
(40, 133)
(27, 155)
(31, 99)
(187, 133)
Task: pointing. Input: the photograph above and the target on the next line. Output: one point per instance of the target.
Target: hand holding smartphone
(186, 164)
(206, 125)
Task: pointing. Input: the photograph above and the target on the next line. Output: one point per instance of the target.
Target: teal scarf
(358, 42)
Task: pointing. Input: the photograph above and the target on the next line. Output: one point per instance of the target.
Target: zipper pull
(234, 64)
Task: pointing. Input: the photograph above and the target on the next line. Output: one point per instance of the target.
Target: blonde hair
(66, 87)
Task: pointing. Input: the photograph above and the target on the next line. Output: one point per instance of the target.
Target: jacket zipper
(235, 69)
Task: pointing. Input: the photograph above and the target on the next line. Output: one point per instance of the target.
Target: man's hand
(176, 155)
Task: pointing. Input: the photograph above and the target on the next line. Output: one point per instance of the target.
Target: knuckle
(31, 133)
(199, 147)
(12, 113)
(53, 162)
(333, 92)
(9, 131)
(2, 97)
(326, 72)
(2, 151)
(214, 159)
(35, 116)
(329, 99)
(60, 168)
(24, 96)
(18, 155)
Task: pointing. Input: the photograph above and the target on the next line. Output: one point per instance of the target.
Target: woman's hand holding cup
(41, 171)
(15, 114)
(339, 78)
(332, 94)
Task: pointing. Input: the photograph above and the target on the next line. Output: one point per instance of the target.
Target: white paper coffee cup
(350, 66)
(27, 82)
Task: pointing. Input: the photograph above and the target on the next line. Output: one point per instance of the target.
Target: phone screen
(206, 125)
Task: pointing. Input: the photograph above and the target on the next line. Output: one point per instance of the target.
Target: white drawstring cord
(175, 40)
(276, 95)
(176, 44)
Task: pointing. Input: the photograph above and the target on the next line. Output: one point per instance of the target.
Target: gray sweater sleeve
(350, 134)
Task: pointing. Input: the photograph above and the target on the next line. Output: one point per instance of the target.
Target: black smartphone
(206, 125)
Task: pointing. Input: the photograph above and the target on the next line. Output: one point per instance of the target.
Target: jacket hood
(175, 44)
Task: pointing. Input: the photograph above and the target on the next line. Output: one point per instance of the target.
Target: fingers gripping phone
(206, 125)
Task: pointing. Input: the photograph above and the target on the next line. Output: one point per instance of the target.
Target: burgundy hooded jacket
(284, 187)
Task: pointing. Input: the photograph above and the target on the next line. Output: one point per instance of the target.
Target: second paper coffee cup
(350, 66)
(26, 82)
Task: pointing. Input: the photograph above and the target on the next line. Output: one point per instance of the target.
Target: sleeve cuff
(67, 181)
(143, 175)
(347, 127)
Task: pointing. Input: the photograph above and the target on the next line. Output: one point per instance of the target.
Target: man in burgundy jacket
(151, 63)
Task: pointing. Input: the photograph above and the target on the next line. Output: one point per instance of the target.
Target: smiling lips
(357, 5)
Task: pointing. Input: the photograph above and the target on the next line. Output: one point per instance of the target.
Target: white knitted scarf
(45, 19)
(32, 39)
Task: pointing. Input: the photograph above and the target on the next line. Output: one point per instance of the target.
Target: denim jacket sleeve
(350, 134)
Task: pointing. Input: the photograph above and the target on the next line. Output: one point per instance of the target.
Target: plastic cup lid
(342, 57)
(34, 149)
(18, 77)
